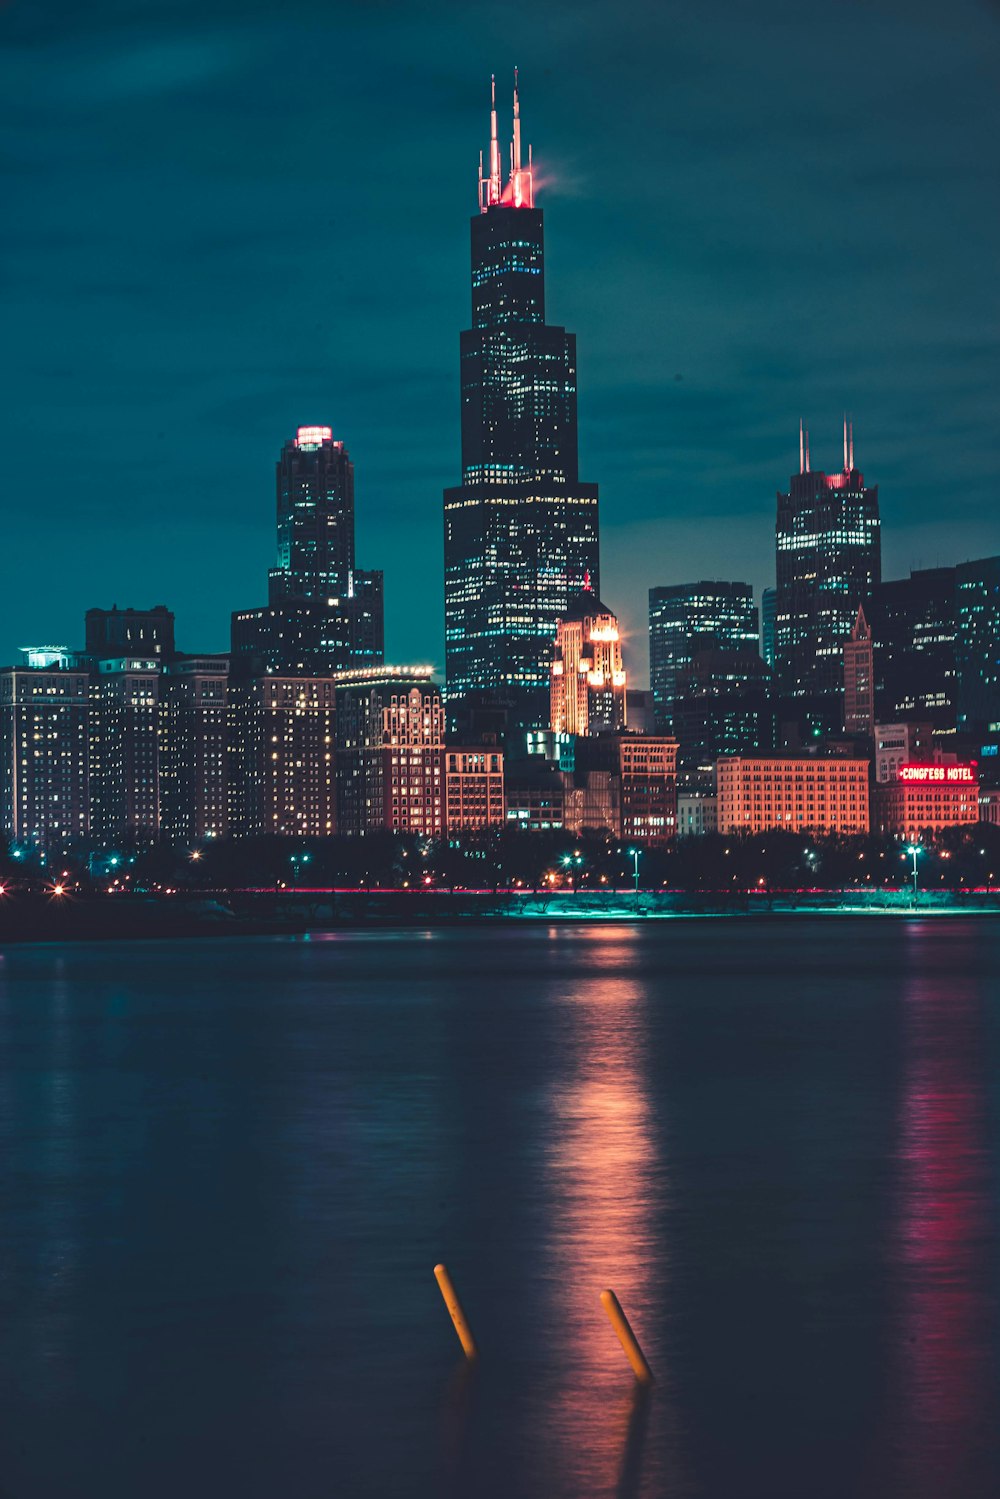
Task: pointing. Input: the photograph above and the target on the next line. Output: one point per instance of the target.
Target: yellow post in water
(451, 1301)
(626, 1337)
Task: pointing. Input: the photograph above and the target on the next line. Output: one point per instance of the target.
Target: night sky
(227, 217)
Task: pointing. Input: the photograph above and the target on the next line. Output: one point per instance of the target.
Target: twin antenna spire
(519, 191)
(848, 446)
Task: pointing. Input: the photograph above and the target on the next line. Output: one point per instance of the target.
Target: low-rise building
(473, 788)
(899, 744)
(798, 793)
(697, 814)
(926, 799)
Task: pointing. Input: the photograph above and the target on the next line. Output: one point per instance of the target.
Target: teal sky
(225, 219)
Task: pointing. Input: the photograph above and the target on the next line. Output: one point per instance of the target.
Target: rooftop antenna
(850, 429)
(807, 451)
(846, 464)
(802, 449)
(489, 187)
(521, 186)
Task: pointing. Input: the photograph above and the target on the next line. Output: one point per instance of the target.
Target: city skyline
(173, 479)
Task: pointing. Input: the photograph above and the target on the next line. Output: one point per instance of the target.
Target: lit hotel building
(521, 534)
(925, 799)
(587, 691)
(797, 793)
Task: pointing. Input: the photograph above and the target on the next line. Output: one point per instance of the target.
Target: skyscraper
(913, 644)
(828, 559)
(521, 533)
(977, 643)
(323, 614)
(859, 687)
(689, 617)
(588, 683)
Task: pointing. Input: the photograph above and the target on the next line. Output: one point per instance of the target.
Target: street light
(914, 849)
(572, 862)
(634, 856)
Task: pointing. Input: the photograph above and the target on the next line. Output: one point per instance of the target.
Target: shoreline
(300, 913)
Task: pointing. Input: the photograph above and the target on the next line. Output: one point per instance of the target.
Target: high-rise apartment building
(913, 648)
(323, 613)
(125, 751)
(390, 752)
(828, 560)
(689, 617)
(194, 749)
(587, 690)
(521, 535)
(282, 779)
(859, 686)
(45, 758)
(977, 643)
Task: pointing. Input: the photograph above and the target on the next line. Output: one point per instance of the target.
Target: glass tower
(685, 618)
(828, 560)
(521, 530)
(323, 614)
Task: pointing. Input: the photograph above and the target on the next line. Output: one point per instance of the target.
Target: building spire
(850, 444)
(802, 448)
(847, 466)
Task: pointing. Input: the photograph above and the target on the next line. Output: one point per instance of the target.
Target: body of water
(228, 1167)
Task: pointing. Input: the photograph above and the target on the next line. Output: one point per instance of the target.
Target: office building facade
(913, 648)
(828, 560)
(977, 644)
(323, 613)
(588, 685)
(689, 617)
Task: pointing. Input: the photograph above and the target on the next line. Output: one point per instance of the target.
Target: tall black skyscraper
(521, 530)
(323, 613)
(828, 559)
(686, 618)
(913, 648)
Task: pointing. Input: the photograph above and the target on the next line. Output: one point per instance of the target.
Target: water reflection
(605, 1191)
(942, 1248)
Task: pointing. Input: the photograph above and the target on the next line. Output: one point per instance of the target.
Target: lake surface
(227, 1169)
